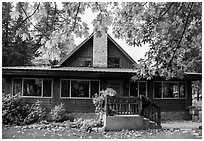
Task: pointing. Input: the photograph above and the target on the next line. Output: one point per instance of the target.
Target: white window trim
(178, 82)
(41, 87)
(70, 97)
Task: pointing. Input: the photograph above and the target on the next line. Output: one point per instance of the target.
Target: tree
(173, 30)
(53, 29)
(15, 51)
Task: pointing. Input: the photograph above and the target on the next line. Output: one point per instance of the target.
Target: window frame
(112, 58)
(41, 96)
(138, 88)
(178, 84)
(70, 95)
(83, 59)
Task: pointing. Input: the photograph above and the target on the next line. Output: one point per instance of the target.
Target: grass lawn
(38, 132)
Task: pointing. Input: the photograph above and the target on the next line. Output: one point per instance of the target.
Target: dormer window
(113, 62)
(85, 61)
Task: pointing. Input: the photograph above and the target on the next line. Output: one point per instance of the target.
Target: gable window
(85, 61)
(138, 88)
(33, 87)
(79, 88)
(169, 90)
(113, 62)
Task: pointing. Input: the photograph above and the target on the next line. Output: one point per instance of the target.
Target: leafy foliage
(14, 110)
(15, 50)
(99, 102)
(173, 31)
(58, 113)
(36, 113)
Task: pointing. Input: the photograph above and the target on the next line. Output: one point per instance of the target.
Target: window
(79, 88)
(94, 88)
(158, 89)
(17, 86)
(169, 90)
(47, 87)
(182, 90)
(134, 91)
(33, 87)
(65, 88)
(113, 62)
(85, 61)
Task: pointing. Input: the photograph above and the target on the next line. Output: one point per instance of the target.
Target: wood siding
(84, 51)
(113, 51)
(86, 105)
(87, 51)
(171, 105)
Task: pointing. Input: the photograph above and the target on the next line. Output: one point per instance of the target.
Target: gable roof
(121, 49)
(74, 50)
(90, 36)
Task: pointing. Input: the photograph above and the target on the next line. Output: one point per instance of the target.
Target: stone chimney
(100, 50)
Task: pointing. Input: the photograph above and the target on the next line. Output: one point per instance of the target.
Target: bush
(99, 102)
(36, 113)
(58, 113)
(14, 110)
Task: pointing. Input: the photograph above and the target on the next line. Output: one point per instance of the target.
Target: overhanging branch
(184, 30)
(27, 17)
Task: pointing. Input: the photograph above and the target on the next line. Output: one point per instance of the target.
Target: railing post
(106, 106)
(159, 116)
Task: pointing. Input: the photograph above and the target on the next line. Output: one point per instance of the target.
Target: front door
(116, 85)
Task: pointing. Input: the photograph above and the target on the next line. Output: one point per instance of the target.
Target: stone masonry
(100, 51)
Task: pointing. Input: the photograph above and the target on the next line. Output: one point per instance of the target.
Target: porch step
(128, 122)
(146, 123)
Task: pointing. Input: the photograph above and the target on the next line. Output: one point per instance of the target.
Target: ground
(170, 130)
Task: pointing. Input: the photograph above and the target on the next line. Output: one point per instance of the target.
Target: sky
(135, 52)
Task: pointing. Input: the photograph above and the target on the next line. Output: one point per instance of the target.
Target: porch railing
(123, 106)
(150, 110)
(133, 106)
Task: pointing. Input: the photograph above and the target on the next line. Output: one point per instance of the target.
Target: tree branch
(166, 11)
(27, 17)
(185, 26)
(75, 19)
(55, 12)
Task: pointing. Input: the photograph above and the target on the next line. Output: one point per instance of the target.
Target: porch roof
(86, 69)
(66, 71)
(50, 71)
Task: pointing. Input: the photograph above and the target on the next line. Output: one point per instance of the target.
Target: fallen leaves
(65, 130)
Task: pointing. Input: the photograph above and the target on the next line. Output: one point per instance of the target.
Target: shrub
(36, 113)
(58, 113)
(99, 102)
(14, 110)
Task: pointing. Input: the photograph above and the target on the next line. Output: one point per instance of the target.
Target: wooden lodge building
(94, 65)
